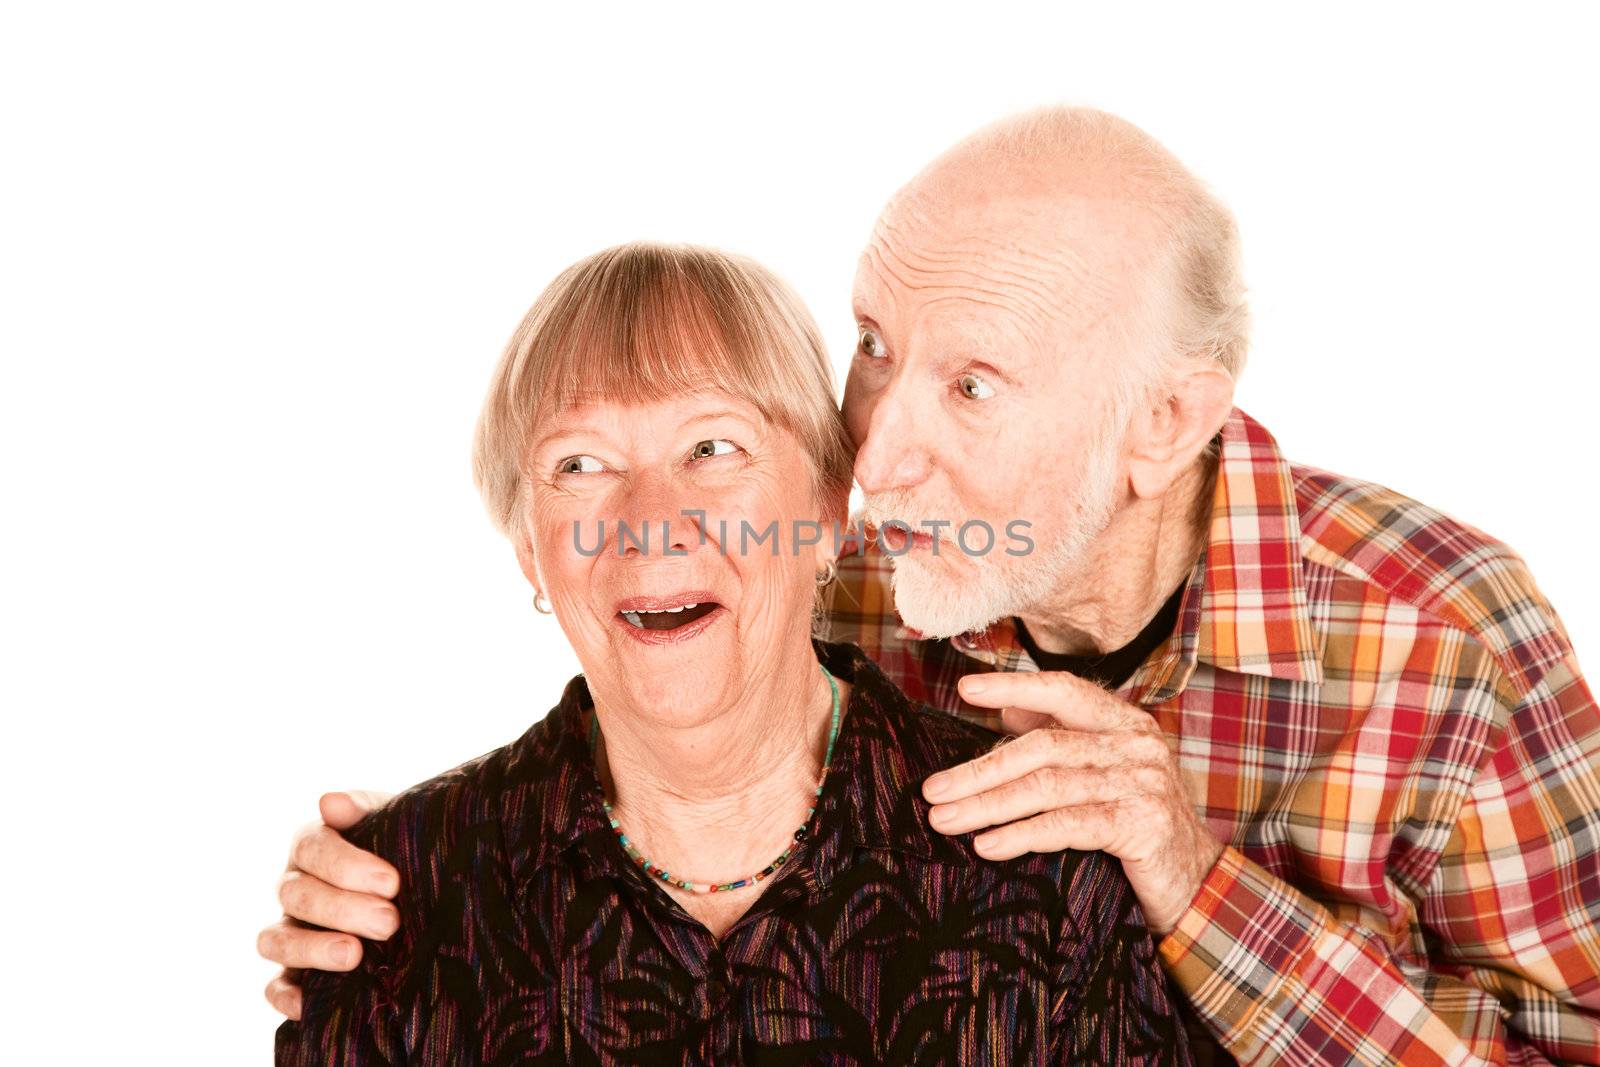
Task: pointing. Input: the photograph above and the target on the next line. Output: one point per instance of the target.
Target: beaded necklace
(653, 870)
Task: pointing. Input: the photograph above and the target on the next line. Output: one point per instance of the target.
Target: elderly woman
(713, 849)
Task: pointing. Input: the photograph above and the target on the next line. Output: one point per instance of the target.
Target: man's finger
(284, 996)
(1021, 720)
(343, 810)
(1043, 748)
(1015, 720)
(1069, 700)
(311, 900)
(322, 853)
(1008, 762)
(1041, 790)
(1093, 827)
(298, 947)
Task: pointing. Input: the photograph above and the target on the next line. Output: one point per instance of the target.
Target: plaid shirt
(1376, 709)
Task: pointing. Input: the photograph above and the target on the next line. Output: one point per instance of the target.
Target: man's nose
(894, 455)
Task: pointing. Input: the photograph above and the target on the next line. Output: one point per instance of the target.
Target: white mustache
(879, 508)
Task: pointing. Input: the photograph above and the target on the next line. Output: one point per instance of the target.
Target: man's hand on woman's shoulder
(1091, 772)
(331, 884)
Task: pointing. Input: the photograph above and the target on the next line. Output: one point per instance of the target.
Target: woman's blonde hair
(643, 321)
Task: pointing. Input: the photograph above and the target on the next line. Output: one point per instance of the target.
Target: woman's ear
(827, 558)
(523, 543)
(835, 523)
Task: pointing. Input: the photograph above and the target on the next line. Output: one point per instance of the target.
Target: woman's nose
(659, 519)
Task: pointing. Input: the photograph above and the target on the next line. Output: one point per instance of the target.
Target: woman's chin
(672, 671)
(677, 700)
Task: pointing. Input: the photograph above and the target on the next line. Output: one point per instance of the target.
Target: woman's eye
(580, 465)
(974, 388)
(871, 344)
(707, 449)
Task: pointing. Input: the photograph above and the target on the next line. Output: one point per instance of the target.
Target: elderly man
(1338, 740)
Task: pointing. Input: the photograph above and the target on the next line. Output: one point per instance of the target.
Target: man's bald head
(1084, 189)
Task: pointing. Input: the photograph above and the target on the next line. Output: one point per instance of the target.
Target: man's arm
(329, 883)
(1512, 915)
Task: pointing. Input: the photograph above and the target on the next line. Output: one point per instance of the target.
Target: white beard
(941, 599)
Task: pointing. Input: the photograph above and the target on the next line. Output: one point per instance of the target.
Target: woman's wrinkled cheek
(570, 550)
(778, 585)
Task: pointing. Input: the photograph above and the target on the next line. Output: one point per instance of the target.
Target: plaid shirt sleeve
(1511, 910)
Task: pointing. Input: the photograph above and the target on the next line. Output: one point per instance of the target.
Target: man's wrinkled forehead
(991, 266)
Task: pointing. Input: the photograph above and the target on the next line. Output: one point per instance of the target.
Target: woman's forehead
(593, 410)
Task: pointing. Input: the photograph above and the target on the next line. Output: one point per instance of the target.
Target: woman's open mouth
(657, 620)
(668, 618)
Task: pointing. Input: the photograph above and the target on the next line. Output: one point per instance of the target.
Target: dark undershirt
(1109, 669)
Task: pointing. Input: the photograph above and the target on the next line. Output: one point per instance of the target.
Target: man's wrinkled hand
(329, 883)
(1088, 771)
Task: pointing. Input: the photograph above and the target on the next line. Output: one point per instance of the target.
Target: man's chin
(935, 606)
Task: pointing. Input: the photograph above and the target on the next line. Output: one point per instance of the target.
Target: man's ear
(1165, 439)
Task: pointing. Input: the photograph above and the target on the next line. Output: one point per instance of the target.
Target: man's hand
(331, 883)
(1089, 771)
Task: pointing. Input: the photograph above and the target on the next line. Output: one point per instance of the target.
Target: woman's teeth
(667, 618)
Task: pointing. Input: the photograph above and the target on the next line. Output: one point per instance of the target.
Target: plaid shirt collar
(1245, 608)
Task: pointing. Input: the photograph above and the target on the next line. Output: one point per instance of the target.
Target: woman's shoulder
(906, 743)
(928, 738)
(490, 804)
(899, 743)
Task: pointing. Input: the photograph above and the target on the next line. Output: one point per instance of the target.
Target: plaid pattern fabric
(1378, 711)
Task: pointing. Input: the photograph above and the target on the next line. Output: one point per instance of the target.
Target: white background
(259, 261)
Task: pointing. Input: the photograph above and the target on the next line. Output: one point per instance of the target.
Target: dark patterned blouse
(527, 935)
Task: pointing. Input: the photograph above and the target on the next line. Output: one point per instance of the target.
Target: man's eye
(871, 344)
(974, 388)
(707, 449)
(580, 465)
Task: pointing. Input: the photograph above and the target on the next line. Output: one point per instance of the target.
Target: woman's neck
(720, 801)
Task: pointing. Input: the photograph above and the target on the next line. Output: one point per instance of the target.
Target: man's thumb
(343, 810)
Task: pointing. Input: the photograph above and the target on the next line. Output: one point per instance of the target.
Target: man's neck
(1129, 571)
